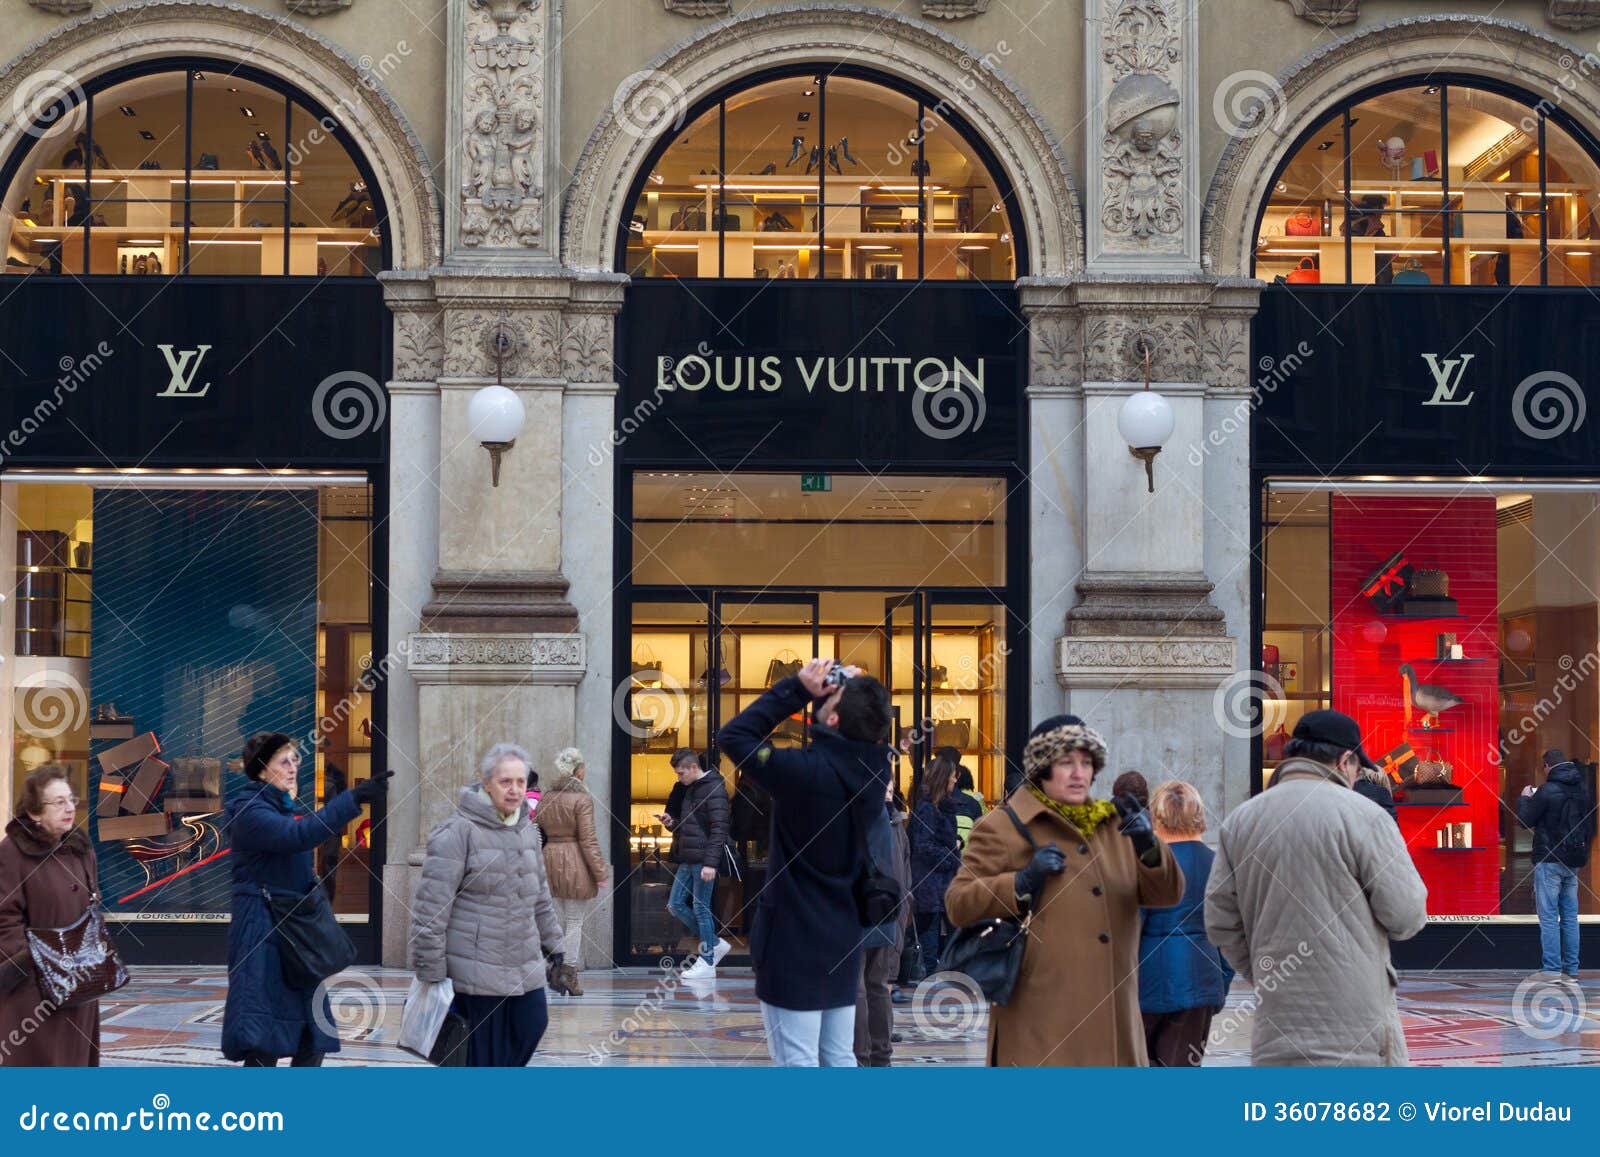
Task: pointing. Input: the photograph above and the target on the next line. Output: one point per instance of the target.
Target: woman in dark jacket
(935, 856)
(273, 843)
(47, 880)
(1183, 979)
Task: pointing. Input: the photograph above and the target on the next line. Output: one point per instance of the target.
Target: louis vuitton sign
(749, 373)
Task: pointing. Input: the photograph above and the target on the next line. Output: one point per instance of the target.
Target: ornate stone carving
(586, 348)
(502, 195)
(1142, 158)
(63, 7)
(315, 7)
(1056, 359)
(1139, 38)
(953, 9)
(1226, 346)
(1331, 13)
(1088, 661)
(418, 345)
(1109, 354)
(469, 342)
(1572, 15)
(482, 658)
(700, 7)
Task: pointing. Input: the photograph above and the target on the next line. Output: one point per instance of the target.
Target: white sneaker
(700, 970)
(721, 950)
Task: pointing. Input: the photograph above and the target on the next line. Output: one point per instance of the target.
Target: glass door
(905, 667)
(966, 672)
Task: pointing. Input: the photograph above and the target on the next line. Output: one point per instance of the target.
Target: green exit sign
(816, 483)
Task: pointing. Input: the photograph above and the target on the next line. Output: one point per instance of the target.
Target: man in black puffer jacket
(807, 939)
(699, 835)
(1561, 815)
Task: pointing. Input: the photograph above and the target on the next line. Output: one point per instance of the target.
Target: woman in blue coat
(1183, 979)
(935, 856)
(273, 842)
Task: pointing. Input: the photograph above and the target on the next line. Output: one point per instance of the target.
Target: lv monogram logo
(1447, 377)
(183, 365)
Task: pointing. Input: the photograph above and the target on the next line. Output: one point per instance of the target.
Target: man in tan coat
(1310, 883)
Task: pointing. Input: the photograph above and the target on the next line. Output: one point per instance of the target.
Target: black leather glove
(1047, 861)
(1136, 825)
(374, 789)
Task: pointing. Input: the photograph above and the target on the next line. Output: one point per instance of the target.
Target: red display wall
(1457, 536)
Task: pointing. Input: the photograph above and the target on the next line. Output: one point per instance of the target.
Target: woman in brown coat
(572, 858)
(1085, 876)
(47, 880)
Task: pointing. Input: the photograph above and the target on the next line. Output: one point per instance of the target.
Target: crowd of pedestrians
(1131, 920)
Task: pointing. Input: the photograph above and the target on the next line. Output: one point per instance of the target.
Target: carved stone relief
(502, 194)
(1056, 358)
(418, 345)
(1141, 153)
(954, 9)
(700, 7)
(1572, 15)
(1109, 349)
(586, 348)
(1331, 13)
(63, 7)
(315, 7)
(533, 349)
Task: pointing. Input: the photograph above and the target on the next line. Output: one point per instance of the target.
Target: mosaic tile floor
(635, 1016)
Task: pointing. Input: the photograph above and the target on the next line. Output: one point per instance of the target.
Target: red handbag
(1301, 224)
(1305, 273)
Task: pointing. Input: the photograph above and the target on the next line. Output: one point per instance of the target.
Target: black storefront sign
(257, 374)
(806, 372)
(1450, 382)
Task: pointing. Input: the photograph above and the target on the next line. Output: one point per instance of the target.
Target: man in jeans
(807, 939)
(699, 834)
(1562, 818)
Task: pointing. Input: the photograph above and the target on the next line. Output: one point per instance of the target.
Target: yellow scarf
(1086, 817)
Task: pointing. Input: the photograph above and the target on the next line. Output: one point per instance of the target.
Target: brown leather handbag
(78, 963)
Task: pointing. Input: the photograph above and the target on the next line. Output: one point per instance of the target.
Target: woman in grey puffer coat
(483, 911)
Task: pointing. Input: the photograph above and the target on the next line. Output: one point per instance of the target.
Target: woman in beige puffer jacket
(483, 911)
(572, 857)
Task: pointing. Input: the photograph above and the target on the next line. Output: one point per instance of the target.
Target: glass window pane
(1395, 214)
(1572, 183)
(1297, 229)
(667, 231)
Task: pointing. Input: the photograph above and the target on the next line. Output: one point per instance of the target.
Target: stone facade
(506, 135)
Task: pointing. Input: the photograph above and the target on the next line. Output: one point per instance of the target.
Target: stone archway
(1495, 49)
(870, 37)
(166, 29)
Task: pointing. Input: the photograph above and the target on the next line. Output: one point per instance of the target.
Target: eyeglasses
(70, 801)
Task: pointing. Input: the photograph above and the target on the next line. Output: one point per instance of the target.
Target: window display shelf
(1485, 848)
(1447, 660)
(1456, 803)
(1431, 730)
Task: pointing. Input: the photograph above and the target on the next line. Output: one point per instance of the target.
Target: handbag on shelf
(78, 963)
(781, 668)
(1432, 773)
(1302, 223)
(726, 221)
(688, 219)
(1306, 273)
(990, 951)
(952, 733)
(646, 667)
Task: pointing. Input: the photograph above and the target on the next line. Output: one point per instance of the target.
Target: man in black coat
(807, 940)
(699, 836)
(1561, 815)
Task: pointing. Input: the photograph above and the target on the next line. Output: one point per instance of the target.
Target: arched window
(1436, 182)
(821, 174)
(207, 169)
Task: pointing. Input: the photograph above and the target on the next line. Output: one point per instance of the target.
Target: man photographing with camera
(806, 942)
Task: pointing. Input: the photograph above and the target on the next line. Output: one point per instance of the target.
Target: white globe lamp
(495, 416)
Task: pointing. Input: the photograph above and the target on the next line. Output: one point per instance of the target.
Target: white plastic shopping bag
(427, 1004)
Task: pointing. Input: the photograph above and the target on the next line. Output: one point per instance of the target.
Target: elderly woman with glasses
(483, 917)
(47, 880)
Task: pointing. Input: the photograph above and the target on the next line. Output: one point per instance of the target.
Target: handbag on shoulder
(78, 963)
(312, 946)
(990, 951)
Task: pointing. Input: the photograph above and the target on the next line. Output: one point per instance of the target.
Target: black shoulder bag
(990, 951)
(312, 945)
(878, 895)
